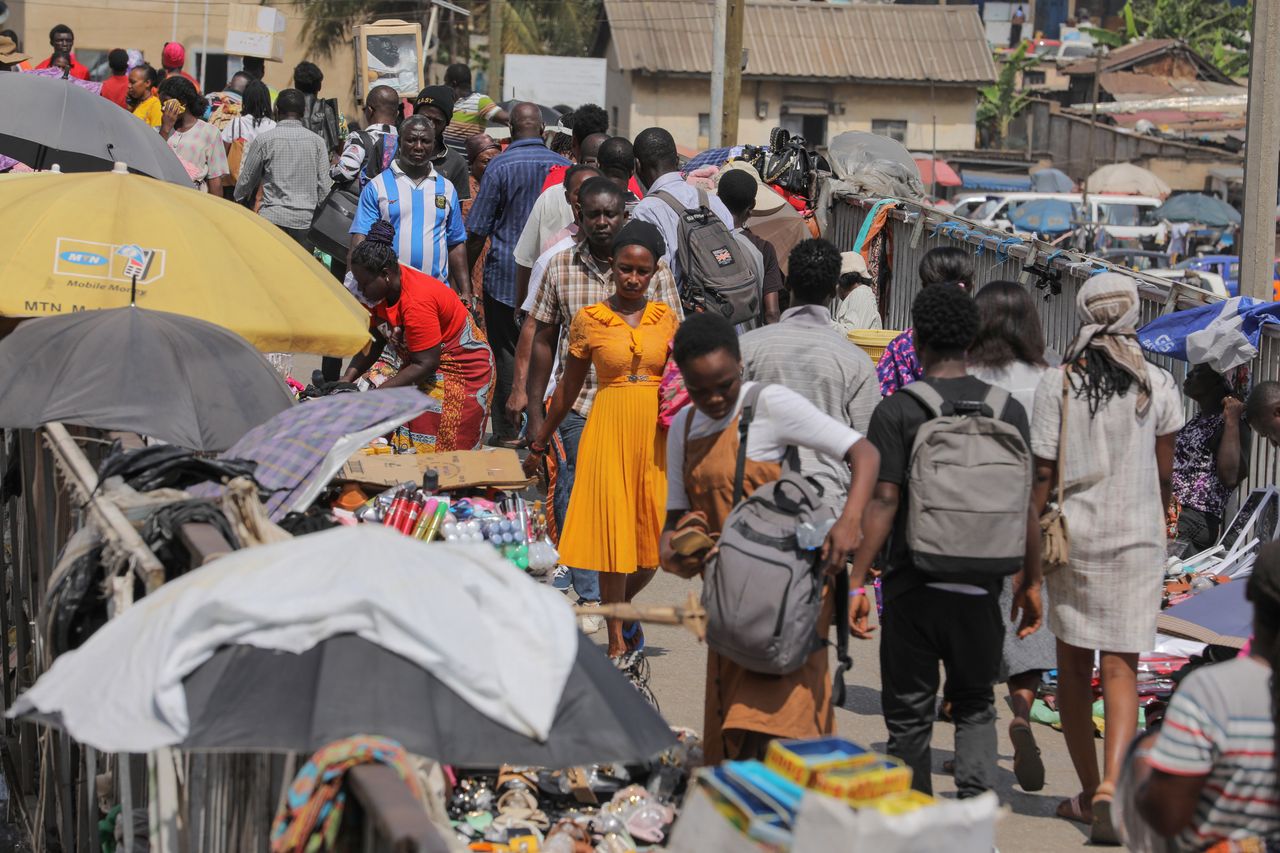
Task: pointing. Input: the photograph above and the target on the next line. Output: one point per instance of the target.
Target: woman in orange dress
(616, 510)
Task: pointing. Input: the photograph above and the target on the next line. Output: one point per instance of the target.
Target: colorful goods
(858, 785)
(802, 760)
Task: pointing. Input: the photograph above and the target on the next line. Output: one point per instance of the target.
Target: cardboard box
(255, 31)
(858, 785)
(802, 760)
(499, 468)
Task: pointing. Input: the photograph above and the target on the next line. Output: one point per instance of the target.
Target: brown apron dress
(744, 709)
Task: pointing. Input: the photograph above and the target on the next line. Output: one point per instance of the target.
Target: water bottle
(810, 537)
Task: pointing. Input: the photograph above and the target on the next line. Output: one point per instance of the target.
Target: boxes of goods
(802, 760)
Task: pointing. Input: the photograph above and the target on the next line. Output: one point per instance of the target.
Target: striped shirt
(470, 116)
(1219, 725)
(806, 353)
(511, 185)
(427, 217)
(354, 154)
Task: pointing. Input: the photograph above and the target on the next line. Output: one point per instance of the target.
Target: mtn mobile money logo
(120, 262)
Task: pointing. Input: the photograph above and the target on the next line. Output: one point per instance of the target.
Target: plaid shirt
(292, 165)
(575, 279)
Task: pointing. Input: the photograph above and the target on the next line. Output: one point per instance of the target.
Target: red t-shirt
(428, 310)
(555, 177)
(116, 89)
(78, 71)
(181, 73)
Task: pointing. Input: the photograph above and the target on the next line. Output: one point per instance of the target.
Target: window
(218, 71)
(1033, 78)
(704, 125)
(890, 127)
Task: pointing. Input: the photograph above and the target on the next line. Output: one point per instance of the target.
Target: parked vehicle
(1122, 217)
(1139, 260)
(1226, 266)
(1202, 279)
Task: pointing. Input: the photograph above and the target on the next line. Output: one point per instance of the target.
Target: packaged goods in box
(885, 775)
(801, 760)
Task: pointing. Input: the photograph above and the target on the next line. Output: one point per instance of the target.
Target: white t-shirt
(551, 212)
(783, 419)
(535, 284)
(243, 127)
(1017, 377)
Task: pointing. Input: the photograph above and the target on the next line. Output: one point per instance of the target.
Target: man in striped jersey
(1209, 781)
(422, 206)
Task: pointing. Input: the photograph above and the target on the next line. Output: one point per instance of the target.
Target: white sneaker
(590, 624)
(559, 578)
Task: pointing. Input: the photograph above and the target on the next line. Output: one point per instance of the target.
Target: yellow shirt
(150, 111)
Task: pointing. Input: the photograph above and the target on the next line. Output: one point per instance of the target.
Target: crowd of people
(561, 303)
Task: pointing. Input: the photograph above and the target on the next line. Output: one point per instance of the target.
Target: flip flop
(1073, 810)
(1103, 830)
(1028, 767)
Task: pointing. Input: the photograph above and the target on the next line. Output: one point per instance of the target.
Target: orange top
(428, 310)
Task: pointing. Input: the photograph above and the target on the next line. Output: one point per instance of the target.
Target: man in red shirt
(116, 87)
(173, 57)
(61, 39)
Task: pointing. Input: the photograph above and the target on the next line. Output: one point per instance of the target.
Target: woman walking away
(1209, 781)
(256, 116)
(898, 365)
(436, 346)
(615, 510)
(1009, 353)
(744, 709)
(1210, 458)
(1122, 415)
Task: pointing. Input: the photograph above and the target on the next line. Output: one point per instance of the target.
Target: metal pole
(933, 153)
(732, 102)
(496, 54)
(719, 32)
(1093, 128)
(173, 36)
(204, 45)
(1258, 228)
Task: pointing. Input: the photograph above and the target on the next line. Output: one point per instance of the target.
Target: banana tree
(1000, 103)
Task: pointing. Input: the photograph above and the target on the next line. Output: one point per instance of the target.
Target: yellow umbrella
(78, 242)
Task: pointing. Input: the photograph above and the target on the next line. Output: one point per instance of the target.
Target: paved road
(678, 666)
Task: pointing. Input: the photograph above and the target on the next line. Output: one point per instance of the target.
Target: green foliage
(1213, 28)
(559, 28)
(1000, 103)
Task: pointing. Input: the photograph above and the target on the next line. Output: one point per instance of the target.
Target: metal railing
(915, 228)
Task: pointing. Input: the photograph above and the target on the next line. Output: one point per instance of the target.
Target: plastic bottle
(424, 519)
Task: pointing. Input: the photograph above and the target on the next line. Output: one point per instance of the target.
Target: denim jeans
(586, 583)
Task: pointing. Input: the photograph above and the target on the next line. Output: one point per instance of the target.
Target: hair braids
(1096, 378)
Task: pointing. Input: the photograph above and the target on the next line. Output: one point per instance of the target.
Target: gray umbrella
(177, 378)
(247, 698)
(46, 121)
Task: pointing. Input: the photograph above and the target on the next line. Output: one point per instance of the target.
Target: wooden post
(496, 54)
(734, 24)
(1258, 227)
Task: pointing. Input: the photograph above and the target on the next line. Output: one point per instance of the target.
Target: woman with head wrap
(1122, 415)
(435, 345)
(616, 508)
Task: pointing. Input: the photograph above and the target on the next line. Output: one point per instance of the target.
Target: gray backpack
(762, 592)
(969, 485)
(717, 274)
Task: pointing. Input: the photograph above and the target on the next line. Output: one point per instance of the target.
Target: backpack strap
(672, 203)
(997, 398)
(927, 396)
(842, 638)
(745, 417)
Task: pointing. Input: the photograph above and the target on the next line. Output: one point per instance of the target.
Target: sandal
(1103, 830)
(633, 637)
(1028, 767)
(1073, 810)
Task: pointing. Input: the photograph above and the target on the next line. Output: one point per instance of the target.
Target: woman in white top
(1009, 353)
(745, 710)
(1122, 418)
(255, 116)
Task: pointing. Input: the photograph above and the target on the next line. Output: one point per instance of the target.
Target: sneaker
(590, 624)
(561, 579)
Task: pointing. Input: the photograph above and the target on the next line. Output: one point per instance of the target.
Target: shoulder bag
(1055, 541)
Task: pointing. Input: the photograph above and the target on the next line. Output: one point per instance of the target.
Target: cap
(173, 55)
(852, 262)
(767, 201)
(9, 54)
(440, 97)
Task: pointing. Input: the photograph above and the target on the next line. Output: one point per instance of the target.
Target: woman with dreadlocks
(1209, 781)
(1122, 415)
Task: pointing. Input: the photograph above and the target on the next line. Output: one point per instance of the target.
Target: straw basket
(873, 341)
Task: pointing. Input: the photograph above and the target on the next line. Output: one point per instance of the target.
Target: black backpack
(331, 224)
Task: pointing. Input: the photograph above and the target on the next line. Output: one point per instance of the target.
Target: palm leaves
(1000, 103)
(1213, 28)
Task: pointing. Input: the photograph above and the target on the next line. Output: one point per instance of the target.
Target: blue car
(1227, 266)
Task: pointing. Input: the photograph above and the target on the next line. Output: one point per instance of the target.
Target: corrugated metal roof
(945, 44)
(1123, 58)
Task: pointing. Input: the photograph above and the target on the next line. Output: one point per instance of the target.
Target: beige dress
(1108, 595)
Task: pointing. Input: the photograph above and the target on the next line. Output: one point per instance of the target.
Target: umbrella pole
(691, 615)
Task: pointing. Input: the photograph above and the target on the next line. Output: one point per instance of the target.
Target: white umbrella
(1127, 179)
(499, 640)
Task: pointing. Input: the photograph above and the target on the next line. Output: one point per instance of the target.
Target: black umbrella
(177, 378)
(46, 121)
(247, 698)
(550, 115)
